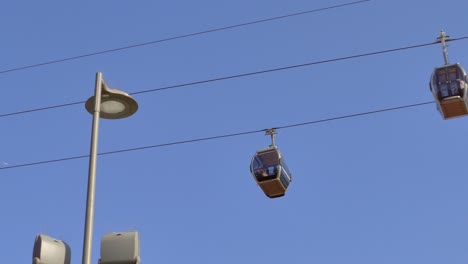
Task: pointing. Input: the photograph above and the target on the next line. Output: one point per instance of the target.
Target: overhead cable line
(219, 137)
(245, 74)
(179, 37)
(40, 109)
(293, 66)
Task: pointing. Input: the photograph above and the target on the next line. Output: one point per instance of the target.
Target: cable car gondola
(270, 170)
(448, 84)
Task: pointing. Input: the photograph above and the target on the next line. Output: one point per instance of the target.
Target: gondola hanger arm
(443, 38)
(272, 132)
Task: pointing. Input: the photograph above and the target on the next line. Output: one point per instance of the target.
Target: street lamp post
(109, 104)
(116, 247)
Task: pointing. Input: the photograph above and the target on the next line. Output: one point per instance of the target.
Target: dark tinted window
(265, 165)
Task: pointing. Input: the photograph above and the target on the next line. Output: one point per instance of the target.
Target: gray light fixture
(49, 250)
(120, 248)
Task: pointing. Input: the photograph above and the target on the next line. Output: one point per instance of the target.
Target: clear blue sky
(384, 188)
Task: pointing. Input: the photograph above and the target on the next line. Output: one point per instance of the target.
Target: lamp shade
(115, 104)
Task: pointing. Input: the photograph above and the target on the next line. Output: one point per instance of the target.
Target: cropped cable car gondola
(448, 84)
(270, 170)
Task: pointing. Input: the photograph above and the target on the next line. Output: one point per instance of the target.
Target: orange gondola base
(453, 107)
(273, 188)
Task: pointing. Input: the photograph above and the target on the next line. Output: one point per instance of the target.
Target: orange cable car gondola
(449, 86)
(269, 169)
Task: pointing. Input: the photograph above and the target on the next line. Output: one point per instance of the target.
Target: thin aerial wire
(245, 75)
(40, 109)
(292, 67)
(220, 136)
(179, 37)
(355, 115)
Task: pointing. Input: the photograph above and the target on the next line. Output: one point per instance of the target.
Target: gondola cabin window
(265, 166)
(449, 82)
(285, 174)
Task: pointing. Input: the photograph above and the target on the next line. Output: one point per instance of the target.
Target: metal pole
(88, 232)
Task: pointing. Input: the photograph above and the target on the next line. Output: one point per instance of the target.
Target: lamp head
(48, 250)
(115, 104)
